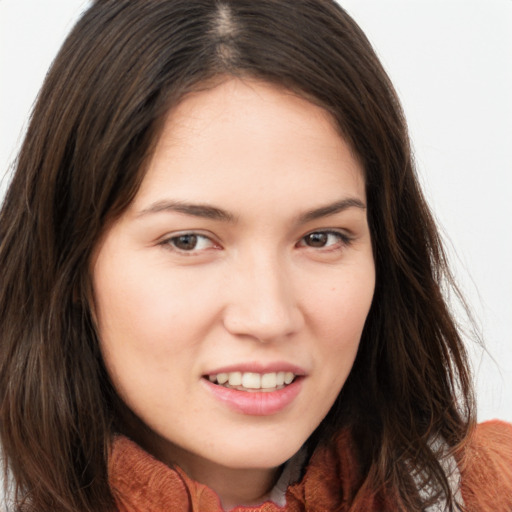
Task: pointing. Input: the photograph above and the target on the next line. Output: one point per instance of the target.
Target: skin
(254, 289)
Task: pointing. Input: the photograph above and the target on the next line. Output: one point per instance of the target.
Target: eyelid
(166, 242)
(345, 238)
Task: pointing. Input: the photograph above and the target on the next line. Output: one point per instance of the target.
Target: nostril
(263, 325)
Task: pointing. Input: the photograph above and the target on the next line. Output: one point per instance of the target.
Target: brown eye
(317, 239)
(186, 242)
(189, 242)
(325, 240)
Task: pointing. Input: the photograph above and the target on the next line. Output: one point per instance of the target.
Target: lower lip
(256, 403)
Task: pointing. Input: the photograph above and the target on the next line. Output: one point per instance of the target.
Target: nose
(261, 301)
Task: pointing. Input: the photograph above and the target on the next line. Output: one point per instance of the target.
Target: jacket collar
(140, 483)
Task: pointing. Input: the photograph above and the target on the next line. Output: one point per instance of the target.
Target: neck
(243, 486)
(234, 486)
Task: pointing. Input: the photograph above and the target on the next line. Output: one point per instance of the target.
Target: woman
(221, 285)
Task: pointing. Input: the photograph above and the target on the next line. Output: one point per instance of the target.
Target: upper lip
(256, 367)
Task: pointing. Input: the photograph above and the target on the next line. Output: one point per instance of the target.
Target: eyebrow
(196, 210)
(211, 212)
(331, 209)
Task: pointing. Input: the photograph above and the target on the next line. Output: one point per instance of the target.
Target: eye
(324, 239)
(189, 242)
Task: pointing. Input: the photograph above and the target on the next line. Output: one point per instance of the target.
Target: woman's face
(231, 295)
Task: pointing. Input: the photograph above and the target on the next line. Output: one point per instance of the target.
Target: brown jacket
(142, 484)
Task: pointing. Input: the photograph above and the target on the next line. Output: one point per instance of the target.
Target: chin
(262, 455)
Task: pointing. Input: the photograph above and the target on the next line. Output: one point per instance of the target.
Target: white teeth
(252, 381)
(235, 379)
(222, 378)
(269, 380)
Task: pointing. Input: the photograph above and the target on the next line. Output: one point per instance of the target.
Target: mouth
(253, 382)
(254, 393)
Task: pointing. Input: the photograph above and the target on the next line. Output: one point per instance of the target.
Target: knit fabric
(486, 470)
(140, 483)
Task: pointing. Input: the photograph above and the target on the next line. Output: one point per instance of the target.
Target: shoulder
(486, 468)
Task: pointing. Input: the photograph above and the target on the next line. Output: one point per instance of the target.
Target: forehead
(250, 140)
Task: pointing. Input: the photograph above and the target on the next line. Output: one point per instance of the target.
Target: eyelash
(343, 241)
(171, 243)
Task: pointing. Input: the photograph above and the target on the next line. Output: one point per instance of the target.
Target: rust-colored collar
(141, 483)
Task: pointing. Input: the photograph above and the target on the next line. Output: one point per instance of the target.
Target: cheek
(341, 308)
(145, 305)
(151, 325)
(338, 315)
(142, 327)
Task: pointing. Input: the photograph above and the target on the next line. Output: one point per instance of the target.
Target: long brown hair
(100, 110)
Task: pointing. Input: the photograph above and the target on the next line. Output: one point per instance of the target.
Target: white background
(451, 62)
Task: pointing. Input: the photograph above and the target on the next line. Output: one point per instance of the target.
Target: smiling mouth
(253, 382)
